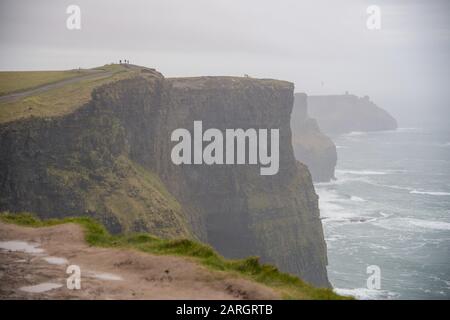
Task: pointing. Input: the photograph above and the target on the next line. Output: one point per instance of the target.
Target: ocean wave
(363, 176)
(334, 207)
(357, 199)
(340, 180)
(362, 172)
(378, 246)
(329, 207)
(431, 193)
(343, 178)
(390, 186)
(355, 133)
(333, 238)
(385, 215)
(366, 294)
(412, 224)
(430, 224)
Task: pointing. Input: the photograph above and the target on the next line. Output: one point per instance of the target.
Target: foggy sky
(323, 47)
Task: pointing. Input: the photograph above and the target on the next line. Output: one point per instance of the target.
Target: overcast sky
(322, 46)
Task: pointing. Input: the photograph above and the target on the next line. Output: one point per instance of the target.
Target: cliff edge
(109, 158)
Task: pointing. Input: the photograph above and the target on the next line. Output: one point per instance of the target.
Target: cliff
(311, 146)
(89, 162)
(337, 114)
(110, 159)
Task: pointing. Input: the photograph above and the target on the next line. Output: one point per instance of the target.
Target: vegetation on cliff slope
(15, 81)
(134, 197)
(54, 101)
(288, 285)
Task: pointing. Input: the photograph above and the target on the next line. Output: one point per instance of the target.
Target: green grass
(289, 286)
(56, 101)
(15, 81)
(134, 196)
(59, 101)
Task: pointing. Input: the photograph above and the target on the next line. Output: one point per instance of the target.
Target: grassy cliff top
(16, 81)
(24, 94)
(289, 286)
(53, 93)
(227, 82)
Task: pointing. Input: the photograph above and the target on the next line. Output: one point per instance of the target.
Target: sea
(389, 207)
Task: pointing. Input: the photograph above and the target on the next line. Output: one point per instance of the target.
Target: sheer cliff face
(91, 162)
(337, 114)
(111, 159)
(311, 146)
(234, 208)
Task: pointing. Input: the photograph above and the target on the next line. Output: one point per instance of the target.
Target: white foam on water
(355, 133)
(377, 246)
(334, 207)
(56, 260)
(42, 287)
(393, 186)
(343, 179)
(366, 294)
(436, 225)
(104, 276)
(362, 172)
(412, 224)
(21, 246)
(385, 215)
(430, 193)
(357, 199)
(329, 209)
(324, 184)
(390, 186)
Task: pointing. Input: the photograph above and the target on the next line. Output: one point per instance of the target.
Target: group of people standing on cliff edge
(124, 61)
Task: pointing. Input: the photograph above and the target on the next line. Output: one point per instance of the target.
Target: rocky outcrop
(337, 114)
(111, 159)
(311, 146)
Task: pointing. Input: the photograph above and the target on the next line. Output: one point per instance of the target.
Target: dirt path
(39, 262)
(94, 74)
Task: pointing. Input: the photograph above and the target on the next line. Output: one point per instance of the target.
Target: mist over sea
(390, 207)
